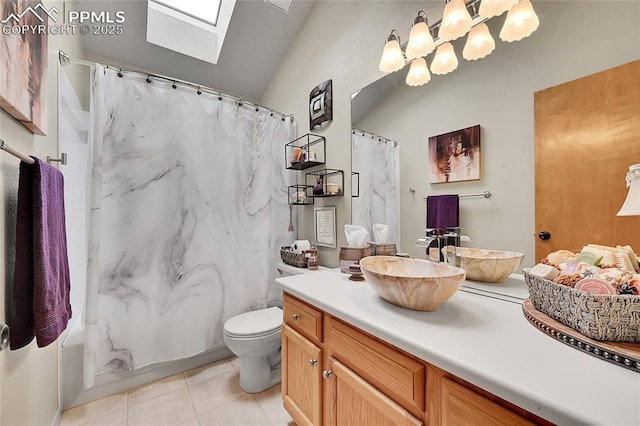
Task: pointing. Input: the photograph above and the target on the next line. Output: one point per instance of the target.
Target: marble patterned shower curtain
(188, 211)
(378, 162)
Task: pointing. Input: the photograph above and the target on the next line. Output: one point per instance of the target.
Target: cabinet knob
(544, 235)
(313, 362)
(327, 373)
(295, 317)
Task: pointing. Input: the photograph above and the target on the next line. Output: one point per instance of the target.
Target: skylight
(195, 28)
(206, 11)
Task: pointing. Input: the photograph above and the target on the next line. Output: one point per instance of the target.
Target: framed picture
(23, 62)
(325, 226)
(320, 104)
(455, 156)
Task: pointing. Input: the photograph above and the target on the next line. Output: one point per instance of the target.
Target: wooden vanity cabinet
(451, 401)
(335, 374)
(301, 377)
(351, 400)
(302, 361)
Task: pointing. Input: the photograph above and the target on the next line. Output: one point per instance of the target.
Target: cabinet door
(301, 378)
(353, 401)
(462, 406)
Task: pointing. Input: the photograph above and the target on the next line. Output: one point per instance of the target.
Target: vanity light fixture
(392, 58)
(490, 8)
(420, 39)
(456, 20)
(479, 43)
(418, 73)
(445, 60)
(631, 205)
(521, 21)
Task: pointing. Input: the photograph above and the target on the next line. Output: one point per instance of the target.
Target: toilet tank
(285, 270)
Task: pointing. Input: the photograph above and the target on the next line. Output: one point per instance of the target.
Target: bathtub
(71, 362)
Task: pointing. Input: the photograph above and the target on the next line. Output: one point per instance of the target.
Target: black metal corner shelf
(307, 151)
(300, 195)
(326, 182)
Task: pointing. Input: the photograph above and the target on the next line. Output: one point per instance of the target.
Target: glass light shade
(420, 41)
(520, 23)
(631, 205)
(418, 73)
(445, 60)
(456, 21)
(479, 43)
(490, 8)
(392, 59)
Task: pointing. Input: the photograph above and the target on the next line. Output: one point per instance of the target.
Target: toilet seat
(259, 323)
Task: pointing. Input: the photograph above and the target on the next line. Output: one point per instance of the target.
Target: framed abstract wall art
(23, 61)
(455, 156)
(321, 104)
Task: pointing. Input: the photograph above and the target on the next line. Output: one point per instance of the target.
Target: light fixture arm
(422, 17)
(395, 35)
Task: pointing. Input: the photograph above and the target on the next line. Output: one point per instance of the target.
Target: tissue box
(383, 249)
(351, 255)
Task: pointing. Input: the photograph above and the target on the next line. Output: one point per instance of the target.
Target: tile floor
(208, 395)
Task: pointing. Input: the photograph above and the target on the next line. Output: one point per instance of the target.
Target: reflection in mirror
(375, 163)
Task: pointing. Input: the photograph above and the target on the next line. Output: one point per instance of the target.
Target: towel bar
(62, 159)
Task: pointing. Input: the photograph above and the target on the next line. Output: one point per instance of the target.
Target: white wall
(342, 40)
(28, 376)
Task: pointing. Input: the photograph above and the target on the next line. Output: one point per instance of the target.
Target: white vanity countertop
(489, 343)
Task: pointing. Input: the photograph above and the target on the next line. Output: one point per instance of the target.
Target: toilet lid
(260, 322)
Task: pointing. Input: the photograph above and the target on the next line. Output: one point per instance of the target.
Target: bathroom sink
(492, 266)
(412, 283)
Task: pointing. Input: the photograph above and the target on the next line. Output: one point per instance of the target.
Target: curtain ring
(199, 92)
(148, 80)
(120, 73)
(219, 96)
(174, 85)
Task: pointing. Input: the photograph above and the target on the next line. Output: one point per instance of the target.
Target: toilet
(255, 337)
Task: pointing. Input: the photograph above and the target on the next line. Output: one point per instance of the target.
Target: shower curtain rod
(373, 136)
(65, 59)
(5, 147)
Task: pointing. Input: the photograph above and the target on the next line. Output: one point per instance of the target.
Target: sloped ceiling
(258, 38)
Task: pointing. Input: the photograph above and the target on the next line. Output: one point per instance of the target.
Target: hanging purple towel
(41, 285)
(443, 211)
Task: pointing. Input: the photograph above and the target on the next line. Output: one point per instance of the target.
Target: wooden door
(354, 401)
(587, 134)
(301, 378)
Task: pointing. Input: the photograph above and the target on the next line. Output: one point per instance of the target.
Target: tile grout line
(193, 404)
(126, 411)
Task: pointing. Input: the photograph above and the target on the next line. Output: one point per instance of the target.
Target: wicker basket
(294, 259)
(600, 317)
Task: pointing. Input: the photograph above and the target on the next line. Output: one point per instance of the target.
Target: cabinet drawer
(303, 318)
(397, 375)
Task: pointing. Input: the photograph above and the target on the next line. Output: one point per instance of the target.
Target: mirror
(496, 92)
(375, 166)
(375, 173)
